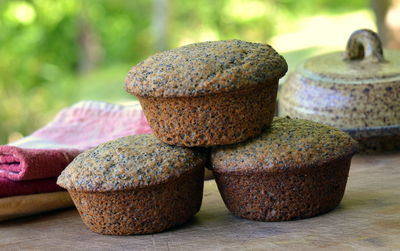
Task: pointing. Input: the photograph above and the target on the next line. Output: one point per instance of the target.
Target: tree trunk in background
(90, 49)
(159, 24)
(387, 13)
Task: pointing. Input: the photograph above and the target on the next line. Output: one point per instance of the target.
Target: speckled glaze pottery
(357, 91)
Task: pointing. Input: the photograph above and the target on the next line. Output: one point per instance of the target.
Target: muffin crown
(206, 68)
(127, 163)
(289, 143)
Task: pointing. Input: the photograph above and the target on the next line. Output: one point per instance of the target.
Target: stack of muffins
(210, 102)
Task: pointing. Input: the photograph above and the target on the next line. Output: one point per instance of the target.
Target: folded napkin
(86, 124)
(11, 187)
(32, 164)
(23, 205)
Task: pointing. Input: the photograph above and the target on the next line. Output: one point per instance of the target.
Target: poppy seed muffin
(209, 93)
(135, 185)
(296, 169)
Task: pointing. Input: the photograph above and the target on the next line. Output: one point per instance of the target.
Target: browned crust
(144, 210)
(287, 144)
(221, 119)
(130, 162)
(205, 68)
(279, 196)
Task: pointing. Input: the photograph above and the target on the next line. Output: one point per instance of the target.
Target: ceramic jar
(357, 91)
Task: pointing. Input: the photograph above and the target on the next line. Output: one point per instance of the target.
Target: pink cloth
(29, 164)
(87, 124)
(46, 152)
(12, 188)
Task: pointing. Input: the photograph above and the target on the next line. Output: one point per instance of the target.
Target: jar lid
(362, 62)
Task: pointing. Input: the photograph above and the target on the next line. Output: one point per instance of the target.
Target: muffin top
(206, 68)
(289, 143)
(129, 162)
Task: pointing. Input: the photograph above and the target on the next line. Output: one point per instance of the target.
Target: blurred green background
(54, 53)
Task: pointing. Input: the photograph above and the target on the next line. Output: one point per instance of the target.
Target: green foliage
(53, 53)
(303, 7)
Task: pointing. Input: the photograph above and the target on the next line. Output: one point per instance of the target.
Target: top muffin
(129, 162)
(289, 143)
(205, 68)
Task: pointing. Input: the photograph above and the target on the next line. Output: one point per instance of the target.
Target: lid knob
(364, 45)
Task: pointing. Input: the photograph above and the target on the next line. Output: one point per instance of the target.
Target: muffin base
(217, 119)
(143, 210)
(297, 193)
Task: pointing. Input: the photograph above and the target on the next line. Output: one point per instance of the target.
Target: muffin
(135, 185)
(296, 169)
(209, 93)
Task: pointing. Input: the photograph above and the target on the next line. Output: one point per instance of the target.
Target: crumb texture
(143, 210)
(129, 162)
(290, 195)
(212, 120)
(206, 68)
(289, 143)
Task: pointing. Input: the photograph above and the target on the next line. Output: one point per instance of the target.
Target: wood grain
(368, 219)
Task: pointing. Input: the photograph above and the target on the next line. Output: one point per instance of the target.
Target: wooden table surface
(367, 218)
